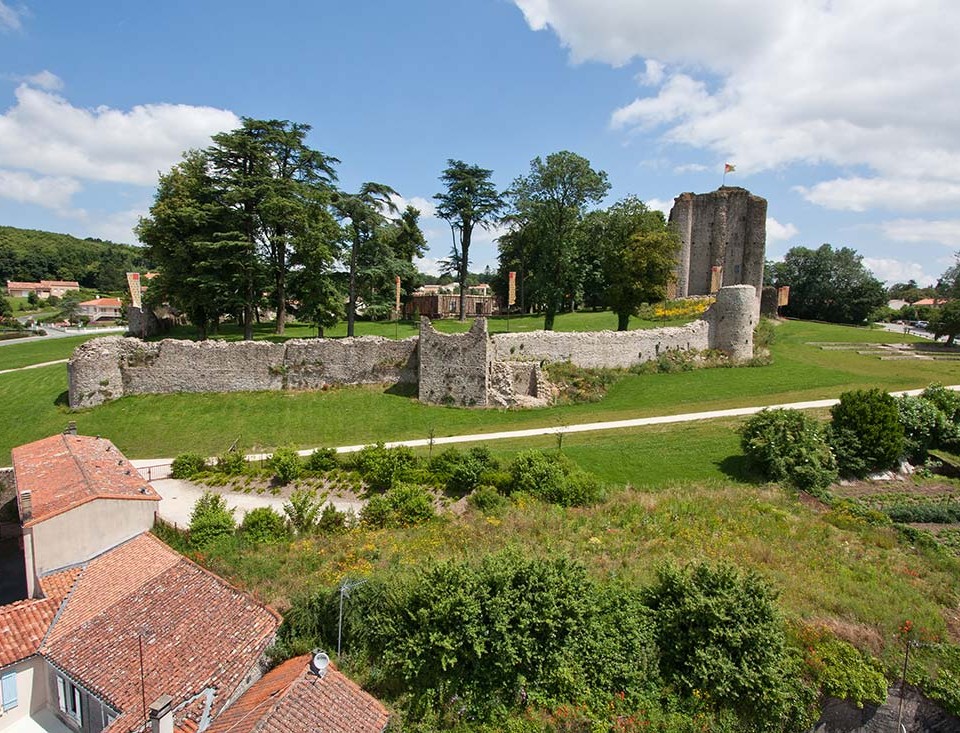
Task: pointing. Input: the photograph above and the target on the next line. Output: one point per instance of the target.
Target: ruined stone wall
(727, 325)
(725, 228)
(454, 368)
(920, 715)
(108, 368)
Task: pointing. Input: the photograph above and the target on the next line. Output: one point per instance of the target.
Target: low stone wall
(727, 325)
(108, 368)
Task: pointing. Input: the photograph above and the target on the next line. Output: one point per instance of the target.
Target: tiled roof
(22, 627)
(289, 699)
(65, 471)
(60, 284)
(105, 302)
(22, 286)
(198, 631)
(24, 624)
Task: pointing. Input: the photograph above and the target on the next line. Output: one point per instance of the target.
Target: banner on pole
(512, 289)
(397, 306)
(133, 283)
(783, 295)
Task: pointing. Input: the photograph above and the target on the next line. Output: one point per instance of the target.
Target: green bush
(845, 673)
(925, 427)
(487, 499)
(468, 472)
(382, 467)
(188, 465)
(945, 399)
(719, 632)
(232, 463)
(286, 465)
(945, 512)
(866, 434)
(788, 446)
(554, 479)
(331, 521)
(403, 505)
(303, 510)
(263, 524)
(322, 460)
(210, 519)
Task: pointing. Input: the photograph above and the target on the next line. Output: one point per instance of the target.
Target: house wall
(93, 712)
(31, 691)
(87, 530)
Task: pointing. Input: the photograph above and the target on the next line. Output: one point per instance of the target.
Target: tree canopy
(828, 284)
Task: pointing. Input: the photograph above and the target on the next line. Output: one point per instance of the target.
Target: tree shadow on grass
(738, 469)
(62, 399)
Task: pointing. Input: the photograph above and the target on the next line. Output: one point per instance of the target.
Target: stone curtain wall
(727, 325)
(472, 369)
(455, 368)
(108, 368)
(727, 227)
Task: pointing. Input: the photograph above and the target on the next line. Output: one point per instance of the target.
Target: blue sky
(842, 114)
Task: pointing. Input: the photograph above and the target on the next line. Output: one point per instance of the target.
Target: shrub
(945, 399)
(403, 505)
(487, 499)
(211, 519)
(719, 632)
(303, 510)
(924, 427)
(188, 465)
(554, 479)
(845, 673)
(788, 446)
(232, 463)
(469, 470)
(382, 467)
(263, 524)
(286, 465)
(331, 521)
(866, 434)
(322, 460)
(946, 512)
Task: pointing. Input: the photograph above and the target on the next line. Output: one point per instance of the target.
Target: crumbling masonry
(470, 369)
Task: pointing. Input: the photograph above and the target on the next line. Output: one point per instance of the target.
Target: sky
(843, 114)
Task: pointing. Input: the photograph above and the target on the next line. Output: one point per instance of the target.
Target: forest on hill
(32, 255)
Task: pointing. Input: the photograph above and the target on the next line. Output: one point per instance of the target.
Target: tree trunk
(352, 305)
(319, 331)
(548, 316)
(465, 236)
(623, 321)
(280, 265)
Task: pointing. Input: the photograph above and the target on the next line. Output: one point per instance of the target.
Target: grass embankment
(40, 351)
(33, 403)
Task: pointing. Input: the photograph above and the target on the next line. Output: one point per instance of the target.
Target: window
(69, 698)
(8, 682)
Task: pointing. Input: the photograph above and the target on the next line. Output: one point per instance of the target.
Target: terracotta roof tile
(115, 302)
(198, 632)
(58, 584)
(22, 627)
(64, 471)
(21, 285)
(60, 284)
(289, 699)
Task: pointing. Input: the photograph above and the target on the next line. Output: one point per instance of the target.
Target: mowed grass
(16, 355)
(33, 403)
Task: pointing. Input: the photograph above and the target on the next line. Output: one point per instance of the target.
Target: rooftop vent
(71, 428)
(319, 663)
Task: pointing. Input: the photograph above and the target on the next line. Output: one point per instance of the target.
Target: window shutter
(9, 684)
(61, 695)
(76, 702)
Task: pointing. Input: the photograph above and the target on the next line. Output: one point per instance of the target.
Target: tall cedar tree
(363, 213)
(470, 201)
(551, 200)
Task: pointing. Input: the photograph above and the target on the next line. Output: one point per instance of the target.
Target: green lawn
(38, 352)
(32, 402)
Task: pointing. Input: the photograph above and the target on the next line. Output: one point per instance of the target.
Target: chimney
(71, 428)
(26, 506)
(161, 715)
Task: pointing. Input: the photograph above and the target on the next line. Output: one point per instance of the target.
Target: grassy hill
(31, 255)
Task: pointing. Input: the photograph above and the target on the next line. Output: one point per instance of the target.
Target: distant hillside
(31, 255)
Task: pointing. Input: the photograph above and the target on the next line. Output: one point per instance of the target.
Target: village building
(43, 289)
(121, 633)
(100, 310)
(443, 301)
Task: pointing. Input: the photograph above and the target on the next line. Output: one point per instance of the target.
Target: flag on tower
(729, 167)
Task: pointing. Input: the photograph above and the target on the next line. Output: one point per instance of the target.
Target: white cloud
(10, 17)
(118, 226)
(652, 74)
(663, 205)
(428, 265)
(897, 271)
(691, 168)
(777, 232)
(45, 80)
(941, 231)
(858, 84)
(424, 206)
(46, 134)
(51, 192)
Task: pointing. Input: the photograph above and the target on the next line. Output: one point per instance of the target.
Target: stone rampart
(455, 368)
(108, 368)
(470, 369)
